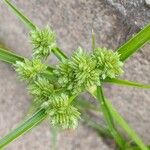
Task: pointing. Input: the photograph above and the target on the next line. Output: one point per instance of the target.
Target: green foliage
(109, 62)
(43, 41)
(29, 69)
(78, 73)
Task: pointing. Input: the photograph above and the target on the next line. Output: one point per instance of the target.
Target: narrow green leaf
(23, 128)
(126, 83)
(137, 148)
(134, 43)
(107, 115)
(126, 127)
(9, 57)
(120, 121)
(57, 52)
(20, 15)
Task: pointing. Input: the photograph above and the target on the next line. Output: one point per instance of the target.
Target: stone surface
(113, 21)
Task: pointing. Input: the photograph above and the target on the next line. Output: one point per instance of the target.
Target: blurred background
(114, 22)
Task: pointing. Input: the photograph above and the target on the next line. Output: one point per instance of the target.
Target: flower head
(43, 41)
(78, 73)
(109, 62)
(61, 112)
(29, 69)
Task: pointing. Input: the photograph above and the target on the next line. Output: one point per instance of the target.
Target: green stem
(23, 128)
(106, 112)
(120, 121)
(59, 54)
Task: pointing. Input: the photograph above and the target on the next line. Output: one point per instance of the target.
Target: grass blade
(107, 115)
(23, 128)
(20, 15)
(120, 121)
(9, 57)
(126, 127)
(134, 43)
(126, 83)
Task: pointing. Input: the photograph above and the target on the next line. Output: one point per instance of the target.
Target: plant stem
(120, 121)
(107, 115)
(23, 127)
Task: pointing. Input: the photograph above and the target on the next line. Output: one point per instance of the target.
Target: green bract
(43, 41)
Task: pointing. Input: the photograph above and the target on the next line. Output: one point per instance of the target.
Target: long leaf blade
(23, 128)
(9, 57)
(120, 121)
(20, 15)
(108, 117)
(126, 83)
(134, 43)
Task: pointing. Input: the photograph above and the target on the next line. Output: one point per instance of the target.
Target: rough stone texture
(113, 21)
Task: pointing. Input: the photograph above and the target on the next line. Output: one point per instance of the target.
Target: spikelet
(78, 73)
(28, 69)
(43, 41)
(109, 62)
(41, 88)
(61, 112)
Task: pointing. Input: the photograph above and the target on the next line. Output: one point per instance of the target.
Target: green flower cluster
(43, 41)
(74, 75)
(28, 69)
(109, 62)
(83, 70)
(46, 95)
(78, 72)
(61, 112)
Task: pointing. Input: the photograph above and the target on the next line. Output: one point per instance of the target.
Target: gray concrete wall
(113, 21)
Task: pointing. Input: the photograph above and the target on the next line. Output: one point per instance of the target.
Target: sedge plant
(56, 89)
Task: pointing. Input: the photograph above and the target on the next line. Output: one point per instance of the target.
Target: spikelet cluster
(109, 62)
(43, 41)
(78, 73)
(61, 112)
(74, 75)
(41, 88)
(29, 69)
